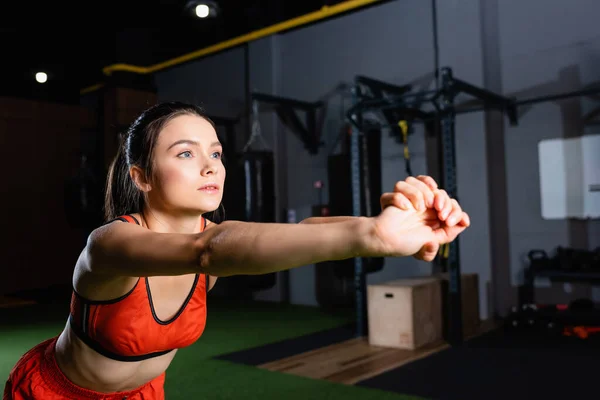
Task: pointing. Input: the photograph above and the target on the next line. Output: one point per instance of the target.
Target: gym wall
(546, 47)
(43, 245)
(491, 44)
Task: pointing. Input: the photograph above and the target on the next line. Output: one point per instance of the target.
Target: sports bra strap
(125, 218)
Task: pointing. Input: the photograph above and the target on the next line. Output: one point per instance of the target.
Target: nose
(210, 167)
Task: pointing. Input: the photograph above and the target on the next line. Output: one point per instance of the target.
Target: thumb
(428, 252)
(453, 232)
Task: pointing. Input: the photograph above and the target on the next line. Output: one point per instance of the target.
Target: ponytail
(122, 195)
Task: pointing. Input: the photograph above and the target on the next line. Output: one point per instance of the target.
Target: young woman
(140, 283)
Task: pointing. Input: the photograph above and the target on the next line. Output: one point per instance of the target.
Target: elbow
(206, 253)
(203, 255)
(212, 256)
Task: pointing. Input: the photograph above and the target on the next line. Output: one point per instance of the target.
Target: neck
(159, 221)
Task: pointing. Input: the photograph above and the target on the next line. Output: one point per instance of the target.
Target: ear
(139, 178)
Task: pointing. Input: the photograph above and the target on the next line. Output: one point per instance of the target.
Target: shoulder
(96, 286)
(208, 224)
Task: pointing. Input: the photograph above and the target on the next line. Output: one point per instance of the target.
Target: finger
(411, 193)
(429, 181)
(440, 199)
(428, 252)
(396, 200)
(428, 194)
(447, 234)
(465, 220)
(447, 206)
(430, 215)
(456, 213)
(453, 232)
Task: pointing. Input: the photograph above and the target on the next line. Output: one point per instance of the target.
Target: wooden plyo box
(405, 313)
(469, 288)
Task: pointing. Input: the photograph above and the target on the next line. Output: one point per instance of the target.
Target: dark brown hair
(137, 148)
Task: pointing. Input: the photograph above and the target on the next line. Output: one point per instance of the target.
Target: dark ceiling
(72, 43)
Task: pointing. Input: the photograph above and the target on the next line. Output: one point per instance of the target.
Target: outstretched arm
(233, 247)
(230, 248)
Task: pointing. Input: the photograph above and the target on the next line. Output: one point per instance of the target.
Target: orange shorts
(37, 376)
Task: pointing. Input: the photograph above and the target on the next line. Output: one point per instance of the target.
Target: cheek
(169, 175)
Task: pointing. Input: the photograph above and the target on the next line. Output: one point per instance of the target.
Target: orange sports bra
(127, 328)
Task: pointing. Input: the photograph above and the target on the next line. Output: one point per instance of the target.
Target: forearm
(327, 220)
(233, 248)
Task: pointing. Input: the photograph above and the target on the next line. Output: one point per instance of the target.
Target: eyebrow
(193, 142)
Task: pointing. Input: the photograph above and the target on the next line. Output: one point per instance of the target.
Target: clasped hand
(416, 219)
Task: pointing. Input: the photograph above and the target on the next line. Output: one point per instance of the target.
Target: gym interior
(322, 106)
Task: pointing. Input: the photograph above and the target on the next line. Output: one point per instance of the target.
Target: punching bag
(250, 196)
(259, 186)
(250, 188)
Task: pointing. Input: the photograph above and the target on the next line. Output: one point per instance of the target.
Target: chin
(208, 208)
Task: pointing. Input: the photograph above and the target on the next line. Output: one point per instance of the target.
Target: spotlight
(202, 9)
(41, 77)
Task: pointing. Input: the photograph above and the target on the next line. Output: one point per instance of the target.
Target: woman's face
(188, 171)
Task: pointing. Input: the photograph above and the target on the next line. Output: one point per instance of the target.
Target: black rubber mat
(290, 347)
(501, 366)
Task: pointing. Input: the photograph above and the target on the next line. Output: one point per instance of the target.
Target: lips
(209, 187)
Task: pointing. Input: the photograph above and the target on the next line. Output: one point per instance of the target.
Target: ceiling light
(41, 77)
(202, 8)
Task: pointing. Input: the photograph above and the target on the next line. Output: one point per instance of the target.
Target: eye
(185, 154)
(217, 154)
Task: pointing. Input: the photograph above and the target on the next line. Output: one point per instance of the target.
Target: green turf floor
(193, 373)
